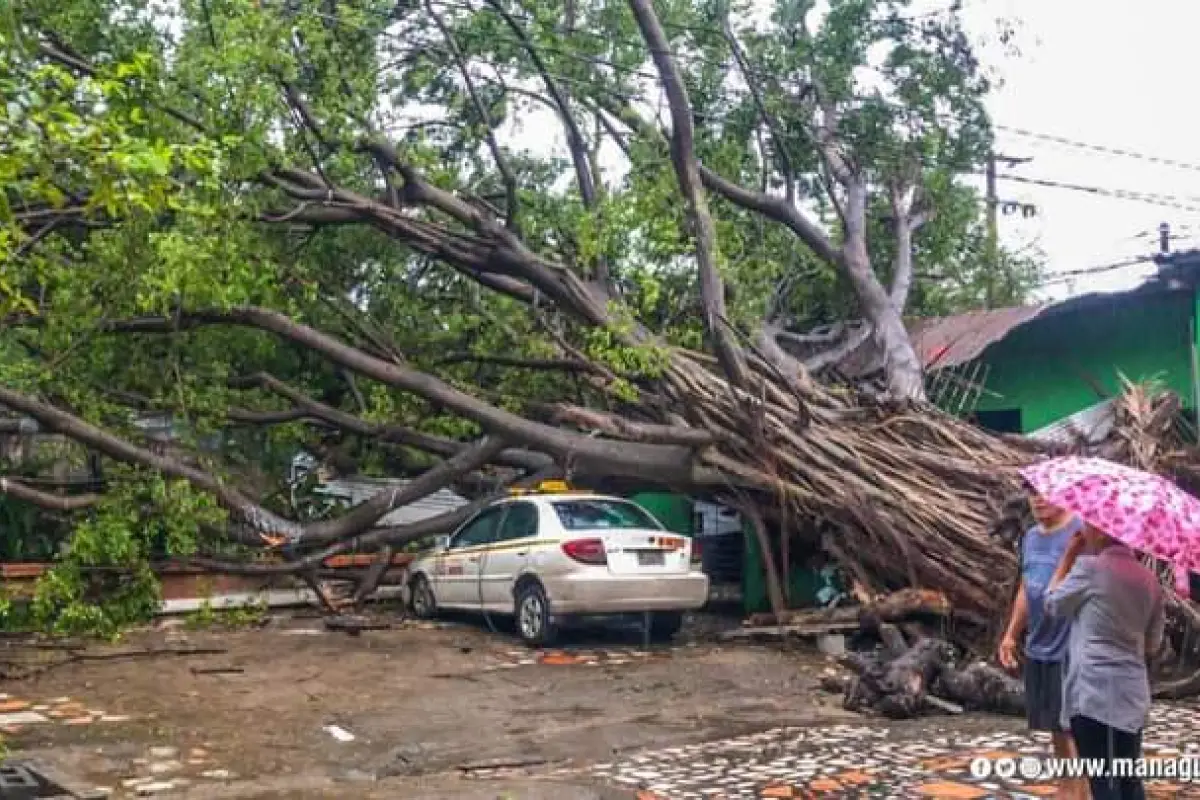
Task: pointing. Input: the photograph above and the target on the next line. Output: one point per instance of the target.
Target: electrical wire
(1169, 201)
(1099, 148)
(698, 59)
(598, 61)
(1166, 200)
(1060, 277)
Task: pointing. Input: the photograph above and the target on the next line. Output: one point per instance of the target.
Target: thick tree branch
(656, 462)
(901, 365)
(506, 173)
(541, 364)
(383, 432)
(245, 416)
(614, 425)
(778, 209)
(902, 264)
(576, 144)
(827, 143)
(266, 524)
(47, 500)
(366, 514)
(785, 163)
(854, 338)
(394, 536)
(712, 291)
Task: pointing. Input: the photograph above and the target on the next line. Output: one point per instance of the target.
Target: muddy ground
(448, 711)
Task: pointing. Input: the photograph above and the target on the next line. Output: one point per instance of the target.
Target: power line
(1099, 148)
(954, 7)
(694, 59)
(598, 61)
(749, 71)
(1060, 277)
(1168, 201)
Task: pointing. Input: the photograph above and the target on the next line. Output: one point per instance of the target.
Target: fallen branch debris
(900, 680)
(19, 670)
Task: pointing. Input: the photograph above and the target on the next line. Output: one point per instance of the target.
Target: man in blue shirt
(1045, 636)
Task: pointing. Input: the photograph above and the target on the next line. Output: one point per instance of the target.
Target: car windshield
(591, 514)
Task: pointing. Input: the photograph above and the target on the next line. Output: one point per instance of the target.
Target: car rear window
(578, 515)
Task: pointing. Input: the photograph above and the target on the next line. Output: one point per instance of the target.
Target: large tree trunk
(982, 687)
(901, 682)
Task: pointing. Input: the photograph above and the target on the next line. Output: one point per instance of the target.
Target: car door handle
(472, 559)
(522, 552)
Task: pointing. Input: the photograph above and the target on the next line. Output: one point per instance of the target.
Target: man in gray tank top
(1045, 635)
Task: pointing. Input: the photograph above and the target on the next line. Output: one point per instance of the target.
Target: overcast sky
(1105, 74)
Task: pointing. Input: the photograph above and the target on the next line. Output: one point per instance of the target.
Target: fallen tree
(236, 270)
(251, 250)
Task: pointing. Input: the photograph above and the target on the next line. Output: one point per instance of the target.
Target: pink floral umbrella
(1143, 510)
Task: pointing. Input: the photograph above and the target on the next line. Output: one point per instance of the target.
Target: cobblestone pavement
(156, 770)
(913, 760)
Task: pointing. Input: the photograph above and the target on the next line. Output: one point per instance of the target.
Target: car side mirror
(441, 543)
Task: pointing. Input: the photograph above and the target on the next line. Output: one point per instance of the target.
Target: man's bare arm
(1018, 618)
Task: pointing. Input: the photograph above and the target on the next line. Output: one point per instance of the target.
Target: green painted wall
(674, 511)
(803, 591)
(1048, 367)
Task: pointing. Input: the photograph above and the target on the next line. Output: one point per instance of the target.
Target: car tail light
(696, 552)
(586, 551)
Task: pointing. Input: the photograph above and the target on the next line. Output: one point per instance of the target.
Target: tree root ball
(921, 679)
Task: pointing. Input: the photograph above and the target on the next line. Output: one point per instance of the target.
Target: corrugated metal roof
(943, 342)
(1092, 425)
(358, 490)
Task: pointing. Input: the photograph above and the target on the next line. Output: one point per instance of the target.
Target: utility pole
(993, 235)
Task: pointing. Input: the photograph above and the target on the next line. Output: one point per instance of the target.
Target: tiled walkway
(159, 769)
(927, 758)
(575, 657)
(16, 714)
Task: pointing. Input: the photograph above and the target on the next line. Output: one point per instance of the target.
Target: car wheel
(665, 624)
(532, 615)
(421, 599)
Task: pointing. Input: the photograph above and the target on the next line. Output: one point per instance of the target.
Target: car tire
(421, 599)
(665, 625)
(531, 614)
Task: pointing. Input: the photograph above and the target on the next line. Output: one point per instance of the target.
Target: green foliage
(206, 617)
(104, 581)
(25, 533)
(139, 187)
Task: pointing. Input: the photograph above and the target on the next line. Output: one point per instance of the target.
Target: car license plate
(650, 558)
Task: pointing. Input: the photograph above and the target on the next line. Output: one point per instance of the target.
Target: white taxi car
(553, 554)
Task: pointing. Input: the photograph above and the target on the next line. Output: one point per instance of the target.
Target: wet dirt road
(291, 710)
